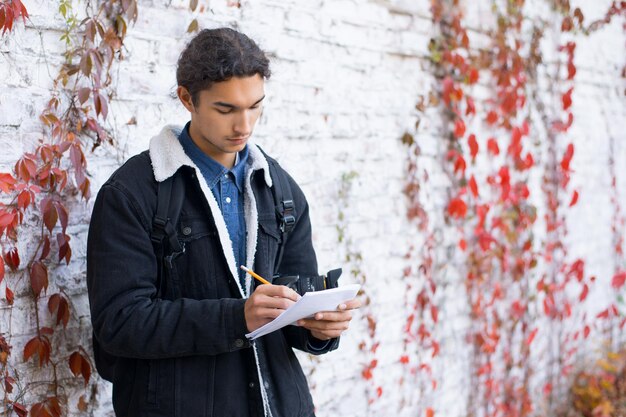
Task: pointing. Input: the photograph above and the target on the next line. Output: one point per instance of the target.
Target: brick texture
(346, 77)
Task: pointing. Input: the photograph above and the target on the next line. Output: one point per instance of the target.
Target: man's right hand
(266, 303)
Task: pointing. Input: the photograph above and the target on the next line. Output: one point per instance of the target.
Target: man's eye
(224, 111)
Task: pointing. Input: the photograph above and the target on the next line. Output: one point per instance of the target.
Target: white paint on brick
(346, 77)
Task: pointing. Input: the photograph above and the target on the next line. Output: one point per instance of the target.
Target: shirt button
(251, 384)
(228, 199)
(226, 176)
(238, 343)
(187, 231)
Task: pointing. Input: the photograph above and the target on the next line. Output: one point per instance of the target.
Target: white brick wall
(346, 77)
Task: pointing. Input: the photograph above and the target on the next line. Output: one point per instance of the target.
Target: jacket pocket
(194, 271)
(268, 242)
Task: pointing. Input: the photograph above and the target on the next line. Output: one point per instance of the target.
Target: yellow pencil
(255, 275)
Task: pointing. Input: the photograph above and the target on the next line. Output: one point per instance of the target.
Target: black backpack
(170, 197)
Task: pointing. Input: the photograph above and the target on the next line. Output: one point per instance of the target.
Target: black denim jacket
(185, 353)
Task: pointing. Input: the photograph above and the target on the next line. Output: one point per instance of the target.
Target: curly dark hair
(216, 55)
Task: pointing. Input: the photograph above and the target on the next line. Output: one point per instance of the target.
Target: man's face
(225, 115)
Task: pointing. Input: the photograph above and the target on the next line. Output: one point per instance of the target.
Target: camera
(302, 285)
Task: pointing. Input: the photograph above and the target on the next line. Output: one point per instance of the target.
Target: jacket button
(238, 343)
(187, 231)
(251, 384)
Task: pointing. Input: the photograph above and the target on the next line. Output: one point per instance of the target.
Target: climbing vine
(37, 196)
(494, 212)
(369, 342)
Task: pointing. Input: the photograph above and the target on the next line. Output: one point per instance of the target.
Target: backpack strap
(170, 196)
(283, 203)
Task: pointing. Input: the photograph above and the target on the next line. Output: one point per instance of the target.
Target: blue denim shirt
(227, 188)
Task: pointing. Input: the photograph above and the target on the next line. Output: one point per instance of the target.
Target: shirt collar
(212, 170)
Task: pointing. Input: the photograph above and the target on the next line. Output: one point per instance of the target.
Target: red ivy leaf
(571, 70)
(48, 408)
(1, 269)
(50, 215)
(435, 347)
(404, 359)
(20, 410)
(459, 128)
(24, 199)
(9, 295)
(6, 219)
(434, 313)
(492, 146)
(567, 157)
(65, 251)
(618, 280)
(473, 186)
(463, 244)
(586, 331)
(567, 99)
(7, 183)
(39, 345)
(473, 145)
(472, 77)
(58, 305)
(430, 412)
(38, 277)
(574, 199)
(531, 337)
(31, 347)
(457, 208)
(80, 366)
(471, 107)
(62, 214)
(25, 168)
(45, 251)
(492, 117)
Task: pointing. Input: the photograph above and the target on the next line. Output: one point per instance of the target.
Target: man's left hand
(330, 324)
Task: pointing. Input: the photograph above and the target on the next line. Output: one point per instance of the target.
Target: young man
(170, 324)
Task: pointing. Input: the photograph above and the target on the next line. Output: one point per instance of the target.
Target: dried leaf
(193, 4)
(82, 404)
(83, 94)
(193, 26)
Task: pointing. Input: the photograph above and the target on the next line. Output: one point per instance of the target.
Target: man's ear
(185, 98)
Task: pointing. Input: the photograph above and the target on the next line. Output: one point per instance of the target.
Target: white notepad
(307, 306)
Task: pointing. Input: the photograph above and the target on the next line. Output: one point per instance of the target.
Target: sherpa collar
(168, 155)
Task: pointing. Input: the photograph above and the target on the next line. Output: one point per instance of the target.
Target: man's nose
(243, 124)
